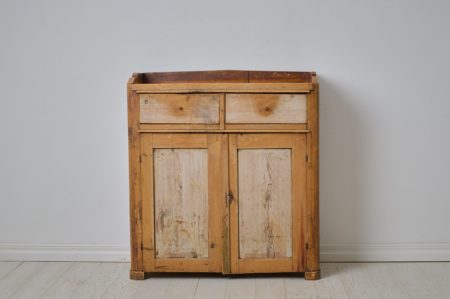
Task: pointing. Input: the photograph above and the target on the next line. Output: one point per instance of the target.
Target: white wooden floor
(110, 280)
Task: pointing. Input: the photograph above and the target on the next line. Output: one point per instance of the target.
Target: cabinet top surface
(225, 76)
(223, 80)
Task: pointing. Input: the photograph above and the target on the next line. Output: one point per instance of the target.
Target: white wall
(384, 70)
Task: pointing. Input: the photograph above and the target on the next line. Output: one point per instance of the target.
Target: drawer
(265, 109)
(179, 108)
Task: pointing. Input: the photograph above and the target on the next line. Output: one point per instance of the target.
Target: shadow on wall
(342, 167)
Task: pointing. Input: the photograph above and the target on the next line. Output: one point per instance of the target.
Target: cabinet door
(182, 202)
(267, 212)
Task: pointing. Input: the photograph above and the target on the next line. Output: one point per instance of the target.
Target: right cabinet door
(267, 210)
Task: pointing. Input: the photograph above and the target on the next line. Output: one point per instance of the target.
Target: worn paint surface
(181, 203)
(265, 204)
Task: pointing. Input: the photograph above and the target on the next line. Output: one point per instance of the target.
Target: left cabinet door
(183, 187)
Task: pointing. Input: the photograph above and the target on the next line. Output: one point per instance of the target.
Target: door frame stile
(148, 206)
(233, 205)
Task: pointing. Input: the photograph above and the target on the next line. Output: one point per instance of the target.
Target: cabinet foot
(138, 275)
(312, 275)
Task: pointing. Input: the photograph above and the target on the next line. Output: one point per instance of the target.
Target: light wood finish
(223, 131)
(312, 182)
(40, 281)
(181, 265)
(217, 152)
(180, 108)
(269, 265)
(265, 203)
(223, 87)
(228, 76)
(312, 275)
(6, 267)
(182, 175)
(181, 203)
(301, 128)
(179, 127)
(223, 172)
(277, 165)
(299, 206)
(339, 281)
(147, 204)
(134, 178)
(265, 108)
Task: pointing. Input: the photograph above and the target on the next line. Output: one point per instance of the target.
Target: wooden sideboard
(224, 172)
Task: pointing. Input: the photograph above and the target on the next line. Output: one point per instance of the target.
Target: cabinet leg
(312, 275)
(138, 275)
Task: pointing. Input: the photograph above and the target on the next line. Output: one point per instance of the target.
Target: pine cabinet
(224, 172)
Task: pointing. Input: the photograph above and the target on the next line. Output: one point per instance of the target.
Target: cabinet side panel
(265, 203)
(181, 203)
(134, 177)
(312, 203)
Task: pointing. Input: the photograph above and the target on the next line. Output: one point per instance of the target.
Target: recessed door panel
(265, 203)
(181, 203)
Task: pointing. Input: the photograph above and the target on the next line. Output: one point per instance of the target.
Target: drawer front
(179, 108)
(265, 108)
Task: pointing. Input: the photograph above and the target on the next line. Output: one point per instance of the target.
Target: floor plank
(381, 277)
(111, 280)
(122, 286)
(356, 280)
(211, 287)
(438, 276)
(180, 287)
(240, 288)
(411, 278)
(329, 286)
(270, 288)
(72, 281)
(98, 281)
(15, 279)
(154, 287)
(38, 283)
(6, 267)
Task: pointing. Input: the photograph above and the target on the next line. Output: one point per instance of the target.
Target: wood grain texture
(216, 204)
(272, 265)
(180, 127)
(134, 177)
(226, 266)
(265, 203)
(265, 108)
(199, 201)
(180, 108)
(299, 201)
(225, 76)
(233, 210)
(266, 127)
(271, 76)
(269, 87)
(181, 203)
(295, 143)
(148, 219)
(312, 181)
(181, 265)
(175, 172)
(36, 285)
(7, 267)
(230, 76)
